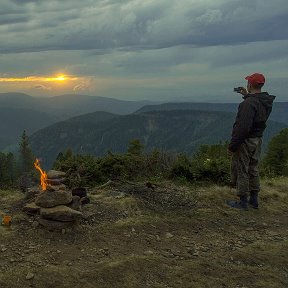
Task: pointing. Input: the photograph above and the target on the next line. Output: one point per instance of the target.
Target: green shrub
(210, 163)
(275, 162)
(81, 170)
(182, 168)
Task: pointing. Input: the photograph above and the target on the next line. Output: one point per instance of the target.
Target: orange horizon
(59, 78)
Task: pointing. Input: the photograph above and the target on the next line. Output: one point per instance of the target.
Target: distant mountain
(66, 106)
(224, 107)
(279, 112)
(20, 112)
(180, 131)
(23, 112)
(13, 121)
(89, 119)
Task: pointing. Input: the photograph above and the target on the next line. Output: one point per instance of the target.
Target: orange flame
(43, 175)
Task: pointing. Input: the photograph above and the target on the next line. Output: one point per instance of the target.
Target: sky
(163, 50)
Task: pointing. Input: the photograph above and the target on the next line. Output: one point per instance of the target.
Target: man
(245, 145)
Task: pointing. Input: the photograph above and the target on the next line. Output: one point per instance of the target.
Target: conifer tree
(68, 154)
(135, 147)
(11, 168)
(26, 155)
(3, 171)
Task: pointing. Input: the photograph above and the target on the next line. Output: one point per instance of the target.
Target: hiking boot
(242, 204)
(253, 201)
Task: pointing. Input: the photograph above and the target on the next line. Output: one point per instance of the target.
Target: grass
(132, 244)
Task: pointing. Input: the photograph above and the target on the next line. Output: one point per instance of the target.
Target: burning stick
(43, 175)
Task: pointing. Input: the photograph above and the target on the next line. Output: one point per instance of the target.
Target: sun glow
(59, 78)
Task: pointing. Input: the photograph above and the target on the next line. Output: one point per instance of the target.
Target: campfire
(55, 206)
(43, 177)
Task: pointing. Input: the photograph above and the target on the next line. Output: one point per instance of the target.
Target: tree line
(16, 170)
(210, 163)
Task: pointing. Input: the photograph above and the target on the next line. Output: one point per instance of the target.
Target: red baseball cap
(256, 78)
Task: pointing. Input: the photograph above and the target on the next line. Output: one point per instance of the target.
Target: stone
(75, 204)
(54, 174)
(31, 208)
(79, 191)
(169, 235)
(55, 182)
(60, 187)
(32, 193)
(148, 253)
(60, 213)
(30, 276)
(84, 200)
(121, 195)
(48, 199)
(35, 224)
(55, 225)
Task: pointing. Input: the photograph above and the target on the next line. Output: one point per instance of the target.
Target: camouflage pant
(244, 170)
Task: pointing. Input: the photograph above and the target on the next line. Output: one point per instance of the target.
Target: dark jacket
(251, 118)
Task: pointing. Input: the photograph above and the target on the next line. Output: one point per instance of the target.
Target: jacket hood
(265, 98)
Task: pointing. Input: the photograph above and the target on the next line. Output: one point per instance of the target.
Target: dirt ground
(136, 236)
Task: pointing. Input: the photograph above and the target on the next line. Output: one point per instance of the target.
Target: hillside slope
(279, 112)
(179, 131)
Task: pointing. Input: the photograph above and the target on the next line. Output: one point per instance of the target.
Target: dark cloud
(24, 1)
(13, 18)
(252, 53)
(139, 25)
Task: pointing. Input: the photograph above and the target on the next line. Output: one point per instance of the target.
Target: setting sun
(60, 78)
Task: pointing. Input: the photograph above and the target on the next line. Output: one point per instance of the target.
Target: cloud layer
(130, 39)
(137, 24)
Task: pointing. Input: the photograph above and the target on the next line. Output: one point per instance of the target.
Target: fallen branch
(105, 184)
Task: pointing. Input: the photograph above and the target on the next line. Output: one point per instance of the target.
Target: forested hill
(279, 111)
(180, 130)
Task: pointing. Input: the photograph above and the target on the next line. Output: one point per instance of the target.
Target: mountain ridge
(278, 114)
(69, 105)
(176, 131)
(48, 111)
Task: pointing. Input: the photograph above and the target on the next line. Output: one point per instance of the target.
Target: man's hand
(243, 91)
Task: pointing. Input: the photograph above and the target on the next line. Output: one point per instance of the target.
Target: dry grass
(128, 243)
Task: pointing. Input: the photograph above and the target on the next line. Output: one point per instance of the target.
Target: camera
(238, 89)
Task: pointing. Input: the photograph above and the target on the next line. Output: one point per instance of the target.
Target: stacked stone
(56, 205)
(55, 180)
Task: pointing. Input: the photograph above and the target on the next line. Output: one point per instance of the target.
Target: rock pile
(56, 207)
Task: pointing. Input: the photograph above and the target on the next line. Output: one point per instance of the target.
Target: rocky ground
(139, 235)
